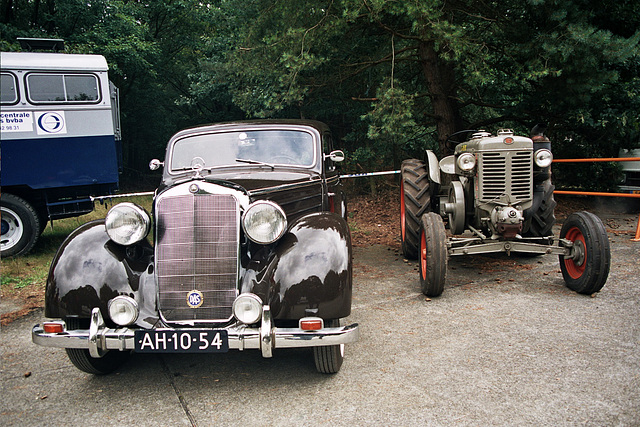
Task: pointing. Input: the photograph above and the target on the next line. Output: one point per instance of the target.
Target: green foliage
(391, 77)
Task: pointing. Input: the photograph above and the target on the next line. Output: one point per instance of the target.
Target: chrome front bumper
(98, 338)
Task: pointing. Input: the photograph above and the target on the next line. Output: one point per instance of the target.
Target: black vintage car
(251, 251)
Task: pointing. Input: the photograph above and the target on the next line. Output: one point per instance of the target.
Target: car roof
(257, 123)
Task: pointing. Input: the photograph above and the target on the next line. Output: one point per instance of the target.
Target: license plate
(181, 341)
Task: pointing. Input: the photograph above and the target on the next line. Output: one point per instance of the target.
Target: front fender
(434, 166)
(89, 269)
(309, 272)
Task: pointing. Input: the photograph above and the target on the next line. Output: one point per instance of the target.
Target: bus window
(8, 89)
(59, 88)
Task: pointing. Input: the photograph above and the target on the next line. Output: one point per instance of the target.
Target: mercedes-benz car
(247, 247)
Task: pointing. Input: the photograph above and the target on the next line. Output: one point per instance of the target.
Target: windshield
(261, 147)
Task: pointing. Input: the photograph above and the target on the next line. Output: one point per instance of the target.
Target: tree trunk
(7, 8)
(440, 76)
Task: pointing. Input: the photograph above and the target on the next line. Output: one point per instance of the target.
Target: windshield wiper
(256, 162)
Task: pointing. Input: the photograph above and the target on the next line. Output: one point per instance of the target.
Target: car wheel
(328, 359)
(433, 255)
(543, 219)
(20, 226)
(587, 271)
(82, 360)
(415, 200)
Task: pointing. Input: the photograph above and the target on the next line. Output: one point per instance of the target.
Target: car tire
(82, 360)
(328, 359)
(587, 273)
(543, 219)
(433, 257)
(20, 226)
(415, 201)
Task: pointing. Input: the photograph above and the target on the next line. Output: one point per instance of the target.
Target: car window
(274, 147)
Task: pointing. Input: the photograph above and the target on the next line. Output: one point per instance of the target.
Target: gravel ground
(506, 344)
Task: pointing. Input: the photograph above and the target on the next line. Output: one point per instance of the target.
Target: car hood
(253, 180)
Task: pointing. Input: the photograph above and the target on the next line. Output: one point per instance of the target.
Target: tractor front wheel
(587, 269)
(433, 255)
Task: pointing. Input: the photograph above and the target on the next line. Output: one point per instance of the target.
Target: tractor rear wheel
(543, 219)
(415, 201)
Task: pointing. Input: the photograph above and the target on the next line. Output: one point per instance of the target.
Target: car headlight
(543, 158)
(247, 308)
(123, 310)
(127, 223)
(264, 222)
(466, 161)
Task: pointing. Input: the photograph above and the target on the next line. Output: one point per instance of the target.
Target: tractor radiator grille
(197, 249)
(505, 173)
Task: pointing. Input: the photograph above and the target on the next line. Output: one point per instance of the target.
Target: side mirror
(155, 164)
(335, 156)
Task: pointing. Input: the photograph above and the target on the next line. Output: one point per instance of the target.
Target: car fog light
(543, 158)
(127, 223)
(123, 310)
(264, 222)
(466, 161)
(247, 308)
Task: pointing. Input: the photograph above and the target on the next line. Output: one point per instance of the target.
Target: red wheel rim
(402, 211)
(574, 270)
(423, 256)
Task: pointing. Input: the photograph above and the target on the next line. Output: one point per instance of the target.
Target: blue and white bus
(60, 136)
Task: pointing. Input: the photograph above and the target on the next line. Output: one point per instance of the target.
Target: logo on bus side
(51, 122)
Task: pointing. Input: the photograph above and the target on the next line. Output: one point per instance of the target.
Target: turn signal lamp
(53, 327)
(311, 324)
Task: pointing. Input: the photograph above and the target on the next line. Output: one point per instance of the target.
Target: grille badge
(193, 188)
(194, 298)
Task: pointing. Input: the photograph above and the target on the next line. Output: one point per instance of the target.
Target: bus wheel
(20, 226)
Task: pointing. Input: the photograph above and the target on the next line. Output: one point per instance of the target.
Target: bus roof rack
(33, 44)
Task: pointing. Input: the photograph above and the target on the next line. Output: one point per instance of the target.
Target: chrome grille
(505, 172)
(197, 249)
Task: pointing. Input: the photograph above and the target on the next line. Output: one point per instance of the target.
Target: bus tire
(20, 226)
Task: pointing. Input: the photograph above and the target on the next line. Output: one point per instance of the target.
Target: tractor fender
(433, 166)
(90, 269)
(308, 272)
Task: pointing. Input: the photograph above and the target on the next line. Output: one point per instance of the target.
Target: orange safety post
(637, 238)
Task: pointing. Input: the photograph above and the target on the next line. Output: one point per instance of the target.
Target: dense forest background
(391, 77)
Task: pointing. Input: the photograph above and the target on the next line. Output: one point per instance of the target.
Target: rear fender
(309, 271)
(89, 269)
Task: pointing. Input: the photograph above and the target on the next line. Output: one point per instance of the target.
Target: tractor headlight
(466, 162)
(543, 158)
(247, 308)
(123, 310)
(127, 223)
(264, 222)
